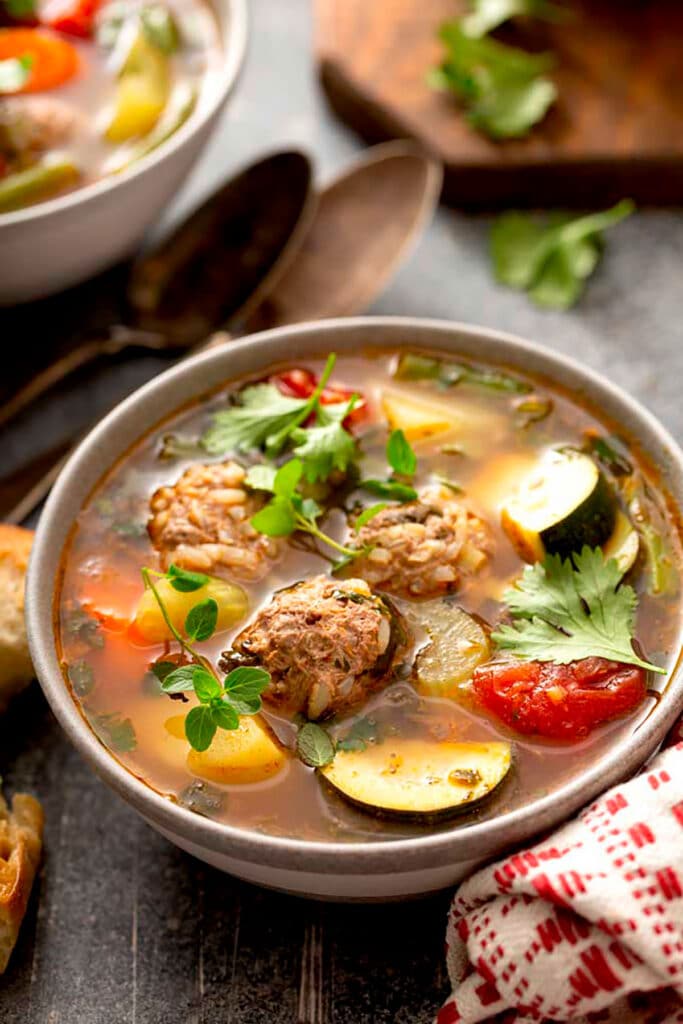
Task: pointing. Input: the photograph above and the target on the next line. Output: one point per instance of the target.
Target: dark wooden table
(123, 927)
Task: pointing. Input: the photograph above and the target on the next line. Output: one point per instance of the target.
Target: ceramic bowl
(55, 244)
(342, 871)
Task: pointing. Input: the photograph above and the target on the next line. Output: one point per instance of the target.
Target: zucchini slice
(457, 645)
(624, 543)
(564, 505)
(415, 778)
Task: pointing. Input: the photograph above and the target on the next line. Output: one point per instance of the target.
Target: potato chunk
(149, 627)
(247, 754)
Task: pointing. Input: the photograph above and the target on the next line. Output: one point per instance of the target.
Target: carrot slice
(54, 61)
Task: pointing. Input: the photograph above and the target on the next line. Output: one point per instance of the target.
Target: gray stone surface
(123, 927)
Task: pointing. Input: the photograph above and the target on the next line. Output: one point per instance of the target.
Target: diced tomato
(559, 701)
(73, 17)
(301, 383)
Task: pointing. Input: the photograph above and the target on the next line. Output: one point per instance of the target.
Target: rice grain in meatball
(422, 548)
(202, 523)
(327, 644)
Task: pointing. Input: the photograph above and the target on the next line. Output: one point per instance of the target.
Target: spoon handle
(118, 338)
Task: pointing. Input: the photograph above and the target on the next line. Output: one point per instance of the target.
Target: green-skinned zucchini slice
(566, 504)
(623, 544)
(416, 778)
(457, 645)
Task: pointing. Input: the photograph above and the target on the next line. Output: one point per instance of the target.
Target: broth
(494, 447)
(87, 123)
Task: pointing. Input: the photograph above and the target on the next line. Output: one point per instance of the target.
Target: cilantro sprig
(551, 260)
(288, 510)
(505, 90)
(221, 703)
(266, 419)
(564, 612)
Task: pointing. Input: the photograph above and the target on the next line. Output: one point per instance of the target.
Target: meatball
(326, 644)
(29, 125)
(422, 548)
(202, 523)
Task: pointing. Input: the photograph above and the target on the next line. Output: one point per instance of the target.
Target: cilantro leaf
(263, 411)
(487, 15)
(551, 261)
(14, 73)
(566, 612)
(327, 445)
(261, 477)
(504, 89)
(400, 454)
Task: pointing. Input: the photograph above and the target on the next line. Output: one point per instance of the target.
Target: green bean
(40, 181)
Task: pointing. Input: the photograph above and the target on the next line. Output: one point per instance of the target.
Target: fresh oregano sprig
(220, 703)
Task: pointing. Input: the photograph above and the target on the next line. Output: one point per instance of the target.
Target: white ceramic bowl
(342, 871)
(55, 244)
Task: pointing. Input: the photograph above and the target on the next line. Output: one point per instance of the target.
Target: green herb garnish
(81, 677)
(288, 510)
(566, 612)
(363, 732)
(551, 260)
(20, 8)
(403, 462)
(367, 514)
(160, 28)
(505, 90)
(220, 702)
(314, 746)
(487, 15)
(14, 73)
(326, 445)
(449, 374)
(116, 732)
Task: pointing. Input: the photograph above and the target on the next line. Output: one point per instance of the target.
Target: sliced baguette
(15, 662)
(21, 840)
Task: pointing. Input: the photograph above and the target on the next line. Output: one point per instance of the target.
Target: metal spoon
(364, 226)
(216, 266)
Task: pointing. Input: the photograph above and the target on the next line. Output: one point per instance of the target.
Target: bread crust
(21, 841)
(15, 661)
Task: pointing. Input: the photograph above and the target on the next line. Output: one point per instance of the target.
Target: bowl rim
(378, 857)
(234, 50)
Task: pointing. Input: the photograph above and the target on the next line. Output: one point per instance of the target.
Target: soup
(369, 598)
(89, 88)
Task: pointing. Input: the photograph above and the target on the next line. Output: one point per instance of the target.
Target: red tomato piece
(73, 17)
(301, 383)
(559, 701)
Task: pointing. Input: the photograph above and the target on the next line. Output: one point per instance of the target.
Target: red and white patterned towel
(586, 926)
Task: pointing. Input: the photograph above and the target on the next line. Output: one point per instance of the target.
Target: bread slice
(21, 841)
(15, 662)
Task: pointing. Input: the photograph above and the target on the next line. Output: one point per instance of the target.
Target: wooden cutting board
(616, 130)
